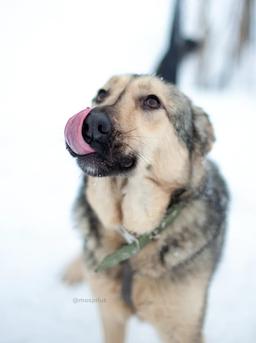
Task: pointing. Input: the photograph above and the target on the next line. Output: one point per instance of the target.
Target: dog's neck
(137, 202)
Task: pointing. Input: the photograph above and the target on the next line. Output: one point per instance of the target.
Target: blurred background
(54, 55)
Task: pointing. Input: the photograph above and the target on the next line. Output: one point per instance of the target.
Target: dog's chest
(135, 203)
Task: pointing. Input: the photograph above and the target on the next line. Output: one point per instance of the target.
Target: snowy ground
(54, 55)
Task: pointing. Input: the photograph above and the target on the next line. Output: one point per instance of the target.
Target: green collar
(134, 247)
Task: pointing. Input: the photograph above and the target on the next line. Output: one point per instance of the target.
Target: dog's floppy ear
(203, 134)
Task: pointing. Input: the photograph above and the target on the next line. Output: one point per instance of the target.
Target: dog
(143, 151)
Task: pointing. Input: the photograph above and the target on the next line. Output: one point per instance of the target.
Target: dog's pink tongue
(73, 133)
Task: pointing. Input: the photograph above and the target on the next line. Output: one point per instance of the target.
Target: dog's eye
(151, 102)
(101, 95)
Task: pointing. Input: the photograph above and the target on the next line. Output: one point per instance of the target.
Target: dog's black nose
(97, 127)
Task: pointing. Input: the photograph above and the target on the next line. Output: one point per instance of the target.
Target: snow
(54, 55)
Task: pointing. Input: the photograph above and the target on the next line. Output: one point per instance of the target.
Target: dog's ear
(203, 134)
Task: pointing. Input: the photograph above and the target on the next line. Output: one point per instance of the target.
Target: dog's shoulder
(195, 240)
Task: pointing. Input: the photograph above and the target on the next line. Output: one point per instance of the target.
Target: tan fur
(174, 306)
(174, 309)
(107, 208)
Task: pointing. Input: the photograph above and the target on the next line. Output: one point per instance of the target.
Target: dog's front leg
(113, 327)
(113, 310)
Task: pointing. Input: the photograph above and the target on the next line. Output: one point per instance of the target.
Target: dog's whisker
(141, 138)
(139, 154)
(127, 132)
(144, 158)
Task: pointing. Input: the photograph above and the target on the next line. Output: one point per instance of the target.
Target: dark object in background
(178, 48)
(222, 45)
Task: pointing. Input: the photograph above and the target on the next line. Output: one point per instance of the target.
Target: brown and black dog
(148, 152)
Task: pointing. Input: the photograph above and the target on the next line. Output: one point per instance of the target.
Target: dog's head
(142, 122)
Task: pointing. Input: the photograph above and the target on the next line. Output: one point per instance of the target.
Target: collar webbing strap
(131, 249)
